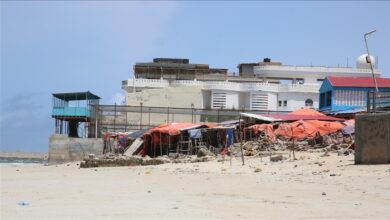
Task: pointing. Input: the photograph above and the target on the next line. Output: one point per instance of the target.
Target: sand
(300, 189)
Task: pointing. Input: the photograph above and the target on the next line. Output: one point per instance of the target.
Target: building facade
(349, 93)
(262, 86)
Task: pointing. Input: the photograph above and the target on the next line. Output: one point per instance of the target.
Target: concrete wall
(206, 99)
(64, 149)
(372, 139)
(175, 97)
(232, 101)
(272, 101)
(296, 100)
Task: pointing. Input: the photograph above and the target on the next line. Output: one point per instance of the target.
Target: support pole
(149, 118)
(160, 144)
(140, 124)
(96, 121)
(126, 121)
(168, 115)
(115, 117)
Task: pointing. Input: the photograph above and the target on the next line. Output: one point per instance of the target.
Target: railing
(378, 103)
(315, 69)
(235, 86)
(121, 117)
(71, 111)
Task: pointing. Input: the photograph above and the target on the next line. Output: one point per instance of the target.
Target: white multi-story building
(266, 85)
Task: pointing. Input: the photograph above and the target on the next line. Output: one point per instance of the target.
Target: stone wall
(65, 149)
(372, 134)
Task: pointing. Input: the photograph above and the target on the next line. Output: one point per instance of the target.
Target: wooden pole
(160, 144)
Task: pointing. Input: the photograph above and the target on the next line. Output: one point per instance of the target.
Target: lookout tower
(73, 113)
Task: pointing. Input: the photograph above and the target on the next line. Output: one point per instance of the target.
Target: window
(309, 102)
(280, 103)
(285, 103)
(218, 100)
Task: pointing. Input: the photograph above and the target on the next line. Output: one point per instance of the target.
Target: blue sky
(58, 46)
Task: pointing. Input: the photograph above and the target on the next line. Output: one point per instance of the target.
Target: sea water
(20, 161)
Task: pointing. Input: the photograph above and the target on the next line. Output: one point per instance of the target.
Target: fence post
(115, 117)
(149, 118)
(374, 102)
(218, 115)
(168, 115)
(140, 124)
(368, 102)
(126, 121)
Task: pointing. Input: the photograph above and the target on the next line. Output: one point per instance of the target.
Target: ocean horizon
(18, 161)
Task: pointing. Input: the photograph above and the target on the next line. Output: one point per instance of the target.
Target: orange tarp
(266, 128)
(171, 128)
(166, 134)
(306, 111)
(309, 128)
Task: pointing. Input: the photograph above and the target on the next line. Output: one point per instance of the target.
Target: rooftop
(74, 96)
(358, 82)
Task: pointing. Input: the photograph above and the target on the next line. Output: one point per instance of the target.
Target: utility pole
(368, 59)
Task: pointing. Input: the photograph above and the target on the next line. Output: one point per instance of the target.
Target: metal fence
(130, 118)
(378, 101)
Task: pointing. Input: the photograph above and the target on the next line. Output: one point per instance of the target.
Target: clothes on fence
(230, 137)
(195, 133)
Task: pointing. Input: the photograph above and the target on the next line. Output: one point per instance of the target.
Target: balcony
(220, 85)
(71, 112)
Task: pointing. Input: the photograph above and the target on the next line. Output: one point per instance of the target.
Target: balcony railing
(224, 85)
(71, 111)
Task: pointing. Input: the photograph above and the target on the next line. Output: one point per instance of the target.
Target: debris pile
(310, 135)
(115, 161)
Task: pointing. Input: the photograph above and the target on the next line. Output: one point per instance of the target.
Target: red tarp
(309, 128)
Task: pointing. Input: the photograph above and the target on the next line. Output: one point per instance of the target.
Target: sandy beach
(310, 187)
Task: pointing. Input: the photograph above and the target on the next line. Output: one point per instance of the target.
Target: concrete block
(65, 149)
(372, 139)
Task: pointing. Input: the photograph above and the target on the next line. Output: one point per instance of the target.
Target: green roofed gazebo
(72, 109)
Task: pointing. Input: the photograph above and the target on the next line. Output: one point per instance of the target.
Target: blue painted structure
(73, 114)
(71, 111)
(73, 105)
(327, 97)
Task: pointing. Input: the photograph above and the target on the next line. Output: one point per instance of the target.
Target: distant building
(261, 86)
(347, 93)
(266, 85)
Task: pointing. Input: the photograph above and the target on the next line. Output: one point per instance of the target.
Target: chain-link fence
(131, 118)
(378, 101)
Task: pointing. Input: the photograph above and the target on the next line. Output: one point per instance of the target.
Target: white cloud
(117, 98)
